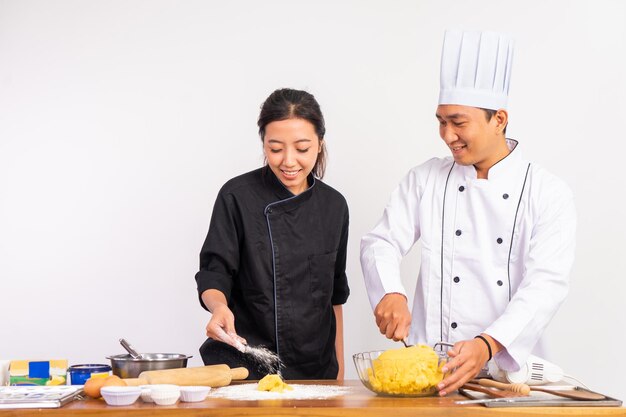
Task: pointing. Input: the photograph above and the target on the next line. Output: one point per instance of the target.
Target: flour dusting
(249, 392)
(267, 361)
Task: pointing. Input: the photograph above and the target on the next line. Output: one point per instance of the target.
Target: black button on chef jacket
(280, 260)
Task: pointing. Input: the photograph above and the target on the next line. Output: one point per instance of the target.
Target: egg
(93, 385)
(114, 381)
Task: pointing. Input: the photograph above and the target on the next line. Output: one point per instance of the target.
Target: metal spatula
(133, 353)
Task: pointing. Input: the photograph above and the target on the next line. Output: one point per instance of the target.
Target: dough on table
(273, 383)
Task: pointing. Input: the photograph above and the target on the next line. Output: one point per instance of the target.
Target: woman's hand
(467, 360)
(393, 317)
(222, 324)
(222, 327)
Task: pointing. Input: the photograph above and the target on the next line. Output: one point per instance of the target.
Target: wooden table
(358, 403)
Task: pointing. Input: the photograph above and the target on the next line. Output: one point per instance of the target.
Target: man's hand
(467, 358)
(393, 317)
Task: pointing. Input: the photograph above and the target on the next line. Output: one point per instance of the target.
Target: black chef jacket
(280, 260)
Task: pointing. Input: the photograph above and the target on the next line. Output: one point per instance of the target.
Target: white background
(120, 120)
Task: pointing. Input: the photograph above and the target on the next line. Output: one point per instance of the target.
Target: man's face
(472, 139)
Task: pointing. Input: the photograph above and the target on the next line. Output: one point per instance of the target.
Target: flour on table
(249, 392)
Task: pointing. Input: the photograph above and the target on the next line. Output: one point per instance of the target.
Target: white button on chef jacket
(496, 252)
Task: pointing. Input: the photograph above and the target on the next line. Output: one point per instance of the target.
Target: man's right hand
(393, 317)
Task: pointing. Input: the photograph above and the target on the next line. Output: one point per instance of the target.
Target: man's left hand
(467, 358)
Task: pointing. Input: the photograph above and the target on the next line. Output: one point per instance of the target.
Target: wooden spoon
(575, 393)
(491, 392)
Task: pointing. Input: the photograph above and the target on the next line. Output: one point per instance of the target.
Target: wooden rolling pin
(210, 376)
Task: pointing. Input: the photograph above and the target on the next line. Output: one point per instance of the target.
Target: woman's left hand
(467, 359)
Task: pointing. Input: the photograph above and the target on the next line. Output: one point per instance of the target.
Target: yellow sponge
(18, 368)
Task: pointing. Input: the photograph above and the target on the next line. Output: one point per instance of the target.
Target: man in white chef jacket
(497, 231)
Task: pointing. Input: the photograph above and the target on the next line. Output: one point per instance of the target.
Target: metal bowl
(125, 366)
(383, 376)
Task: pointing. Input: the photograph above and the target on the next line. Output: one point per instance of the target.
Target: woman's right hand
(222, 327)
(222, 324)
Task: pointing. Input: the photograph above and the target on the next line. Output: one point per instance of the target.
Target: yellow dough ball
(273, 383)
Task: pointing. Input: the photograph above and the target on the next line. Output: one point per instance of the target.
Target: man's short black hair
(489, 113)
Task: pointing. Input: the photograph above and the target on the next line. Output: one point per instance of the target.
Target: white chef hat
(476, 69)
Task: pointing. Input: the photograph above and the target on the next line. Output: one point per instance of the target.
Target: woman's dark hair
(287, 103)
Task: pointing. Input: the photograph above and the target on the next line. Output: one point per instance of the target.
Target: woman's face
(291, 147)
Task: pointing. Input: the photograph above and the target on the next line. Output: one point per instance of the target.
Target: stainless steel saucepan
(132, 364)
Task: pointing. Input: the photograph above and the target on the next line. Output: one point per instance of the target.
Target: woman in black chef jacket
(272, 267)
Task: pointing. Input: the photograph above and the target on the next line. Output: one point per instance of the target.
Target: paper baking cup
(165, 394)
(146, 393)
(193, 394)
(120, 395)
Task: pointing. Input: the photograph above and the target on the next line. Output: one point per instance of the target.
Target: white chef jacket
(496, 252)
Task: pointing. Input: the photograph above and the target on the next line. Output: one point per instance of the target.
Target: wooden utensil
(210, 376)
(575, 394)
(491, 392)
(520, 388)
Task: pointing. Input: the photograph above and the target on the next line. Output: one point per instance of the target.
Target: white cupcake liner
(164, 394)
(119, 396)
(146, 393)
(193, 394)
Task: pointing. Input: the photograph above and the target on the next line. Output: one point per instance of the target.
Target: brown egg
(93, 385)
(114, 381)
